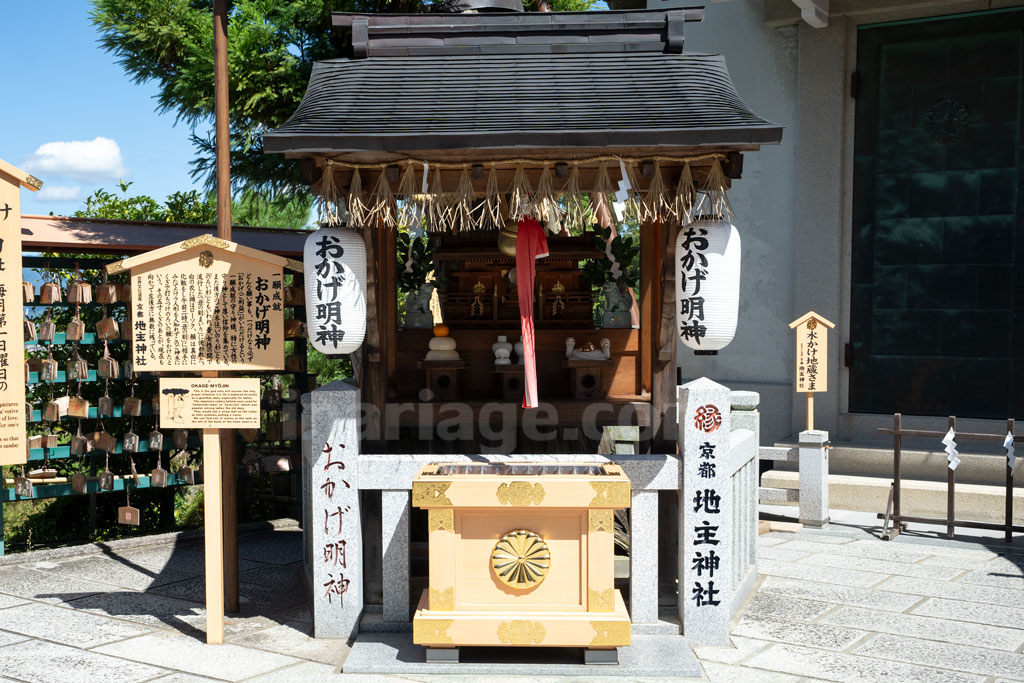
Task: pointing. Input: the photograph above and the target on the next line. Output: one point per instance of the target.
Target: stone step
(919, 498)
(980, 462)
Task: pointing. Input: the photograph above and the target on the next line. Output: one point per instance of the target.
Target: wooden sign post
(207, 305)
(13, 444)
(811, 357)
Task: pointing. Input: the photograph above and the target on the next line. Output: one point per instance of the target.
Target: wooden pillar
(372, 378)
(648, 292)
(213, 535)
(389, 321)
(663, 393)
(229, 479)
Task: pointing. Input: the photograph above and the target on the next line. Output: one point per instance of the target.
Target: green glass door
(937, 324)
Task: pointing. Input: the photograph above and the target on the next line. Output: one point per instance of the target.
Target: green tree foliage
(249, 209)
(272, 47)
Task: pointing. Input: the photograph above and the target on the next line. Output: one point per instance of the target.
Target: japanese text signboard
(705, 586)
(12, 335)
(206, 304)
(224, 402)
(811, 352)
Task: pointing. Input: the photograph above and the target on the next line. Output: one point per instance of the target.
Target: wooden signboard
(811, 357)
(206, 304)
(13, 444)
(223, 402)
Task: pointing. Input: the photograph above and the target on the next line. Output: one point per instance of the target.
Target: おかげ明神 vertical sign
(12, 334)
(206, 304)
(705, 586)
(335, 260)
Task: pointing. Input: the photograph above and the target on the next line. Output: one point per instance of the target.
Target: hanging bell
(28, 292)
(132, 407)
(79, 483)
(48, 370)
(23, 487)
(49, 293)
(156, 440)
(107, 329)
(105, 407)
(107, 480)
(78, 407)
(507, 238)
(130, 443)
(187, 475)
(30, 331)
(158, 478)
(106, 293)
(79, 292)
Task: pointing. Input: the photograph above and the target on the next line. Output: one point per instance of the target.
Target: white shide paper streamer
(1011, 459)
(951, 454)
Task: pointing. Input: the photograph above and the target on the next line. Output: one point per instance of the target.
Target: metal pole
(950, 491)
(1009, 491)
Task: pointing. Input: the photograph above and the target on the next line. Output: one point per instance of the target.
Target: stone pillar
(337, 548)
(307, 486)
(395, 530)
(643, 558)
(707, 546)
(813, 478)
(745, 414)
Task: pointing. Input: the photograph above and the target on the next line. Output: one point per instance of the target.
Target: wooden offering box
(521, 554)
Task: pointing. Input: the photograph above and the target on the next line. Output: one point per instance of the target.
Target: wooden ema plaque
(13, 446)
(206, 304)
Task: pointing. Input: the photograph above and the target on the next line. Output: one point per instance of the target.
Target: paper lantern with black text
(334, 261)
(707, 284)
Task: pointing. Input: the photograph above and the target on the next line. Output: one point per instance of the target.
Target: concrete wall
(763, 63)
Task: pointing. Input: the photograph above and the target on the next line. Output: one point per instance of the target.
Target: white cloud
(60, 193)
(96, 159)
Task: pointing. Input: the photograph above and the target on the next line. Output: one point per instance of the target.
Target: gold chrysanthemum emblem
(521, 559)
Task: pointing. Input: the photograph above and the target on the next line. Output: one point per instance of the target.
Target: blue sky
(60, 86)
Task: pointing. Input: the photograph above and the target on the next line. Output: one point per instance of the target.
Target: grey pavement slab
(148, 609)
(741, 649)
(114, 571)
(187, 560)
(10, 601)
(30, 583)
(820, 537)
(295, 639)
(872, 549)
(783, 607)
(37, 662)
(981, 661)
(283, 546)
(970, 562)
(826, 636)
(843, 595)
(836, 575)
(10, 638)
(649, 655)
(1012, 582)
(941, 546)
(930, 628)
(306, 672)
(176, 651)
(870, 564)
(727, 673)
(959, 610)
(182, 678)
(252, 597)
(67, 626)
(773, 538)
(948, 589)
(847, 668)
(773, 553)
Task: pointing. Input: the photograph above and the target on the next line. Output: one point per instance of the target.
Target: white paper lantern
(334, 260)
(707, 284)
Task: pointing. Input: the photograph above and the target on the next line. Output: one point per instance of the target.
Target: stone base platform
(395, 653)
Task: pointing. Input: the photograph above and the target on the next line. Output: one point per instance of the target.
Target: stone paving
(833, 604)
